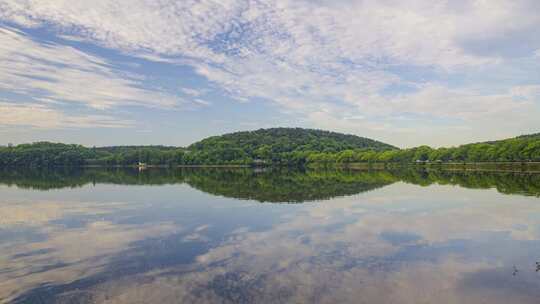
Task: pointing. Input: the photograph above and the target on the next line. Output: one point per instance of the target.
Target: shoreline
(163, 166)
(532, 167)
(526, 167)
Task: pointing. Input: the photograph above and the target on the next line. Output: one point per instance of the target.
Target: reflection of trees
(504, 182)
(278, 185)
(286, 185)
(264, 186)
(71, 178)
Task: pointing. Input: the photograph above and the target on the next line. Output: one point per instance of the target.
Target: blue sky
(172, 72)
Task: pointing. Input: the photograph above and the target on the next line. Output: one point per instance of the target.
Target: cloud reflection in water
(169, 243)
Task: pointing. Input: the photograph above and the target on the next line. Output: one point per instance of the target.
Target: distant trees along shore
(278, 146)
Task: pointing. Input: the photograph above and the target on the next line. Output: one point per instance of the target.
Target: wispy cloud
(192, 92)
(313, 57)
(60, 72)
(45, 117)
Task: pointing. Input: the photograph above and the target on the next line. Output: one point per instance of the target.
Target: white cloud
(526, 92)
(465, 105)
(312, 58)
(57, 72)
(44, 117)
(303, 32)
(192, 92)
(437, 115)
(202, 102)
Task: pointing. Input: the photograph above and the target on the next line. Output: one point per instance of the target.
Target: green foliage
(47, 155)
(279, 146)
(520, 149)
(44, 154)
(282, 146)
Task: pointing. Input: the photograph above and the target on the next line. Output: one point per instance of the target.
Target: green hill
(277, 146)
(263, 142)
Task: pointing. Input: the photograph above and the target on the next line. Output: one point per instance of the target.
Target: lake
(269, 236)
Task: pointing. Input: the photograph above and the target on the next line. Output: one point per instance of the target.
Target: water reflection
(277, 185)
(161, 236)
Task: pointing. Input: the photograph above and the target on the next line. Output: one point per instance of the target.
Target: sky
(409, 73)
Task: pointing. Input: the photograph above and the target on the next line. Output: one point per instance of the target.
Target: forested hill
(271, 146)
(279, 146)
(264, 142)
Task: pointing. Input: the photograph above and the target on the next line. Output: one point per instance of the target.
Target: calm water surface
(244, 236)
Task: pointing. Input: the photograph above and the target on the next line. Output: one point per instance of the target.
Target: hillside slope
(280, 146)
(263, 142)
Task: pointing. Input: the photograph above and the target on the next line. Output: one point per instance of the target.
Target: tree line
(292, 148)
(520, 149)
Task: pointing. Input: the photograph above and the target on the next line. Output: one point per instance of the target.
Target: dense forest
(518, 149)
(266, 143)
(46, 154)
(278, 146)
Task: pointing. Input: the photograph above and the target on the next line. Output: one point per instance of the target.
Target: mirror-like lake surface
(274, 236)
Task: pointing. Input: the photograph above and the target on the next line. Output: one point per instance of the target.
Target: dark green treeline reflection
(273, 185)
